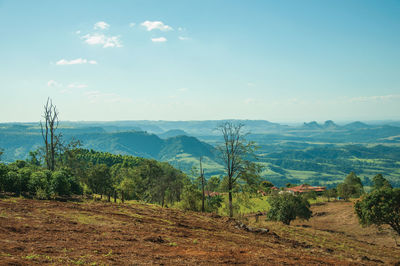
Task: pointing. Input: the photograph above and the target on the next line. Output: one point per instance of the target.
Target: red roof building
(305, 189)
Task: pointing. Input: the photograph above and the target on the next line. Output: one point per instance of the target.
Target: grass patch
(31, 256)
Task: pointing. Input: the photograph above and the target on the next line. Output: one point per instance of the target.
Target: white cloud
(75, 62)
(183, 89)
(76, 85)
(180, 29)
(156, 25)
(78, 32)
(251, 84)
(113, 41)
(94, 39)
(131, 25)
(101, 25)
(182, 38)
(160, 39)
(53, 83)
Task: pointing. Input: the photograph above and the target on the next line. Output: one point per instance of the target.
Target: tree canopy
(380, 182)
(381, 206)
(287, 207)
(351, 187)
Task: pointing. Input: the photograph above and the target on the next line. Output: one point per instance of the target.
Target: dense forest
(80, 171)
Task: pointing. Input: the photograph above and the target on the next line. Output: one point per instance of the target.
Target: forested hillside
(312, 152)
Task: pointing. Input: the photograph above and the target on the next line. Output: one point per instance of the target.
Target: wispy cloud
(97, 96)
(76, 85)
(182, 89)
(106, 41)
(160, 39)
(101, 25)
(132, 24)
(53, 83)
(156, 25)
(375, 98)
(77, 61)
(182, 38)
(78, 32)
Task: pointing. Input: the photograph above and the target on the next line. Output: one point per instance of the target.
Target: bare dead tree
(49, 128)
(202, 184)
(234, 152)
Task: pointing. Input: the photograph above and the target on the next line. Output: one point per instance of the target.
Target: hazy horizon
(285, 62)
(338, 122)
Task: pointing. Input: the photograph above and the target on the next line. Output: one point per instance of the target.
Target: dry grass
(334, 227)
(50, 232)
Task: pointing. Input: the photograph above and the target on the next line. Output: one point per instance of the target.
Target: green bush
(60, 184)
(381, 206)
(287, 207)
(191, 198)
(3, 176)
(212, 204)
(41, 194)
(39, 183)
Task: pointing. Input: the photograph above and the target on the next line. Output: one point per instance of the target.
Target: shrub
(3, 176)
(213, 203)
(287, 207)
(39, 184)
(60, 184)
(191, 198)
(380, 207)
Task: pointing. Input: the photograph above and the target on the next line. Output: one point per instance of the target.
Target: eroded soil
(98, 233)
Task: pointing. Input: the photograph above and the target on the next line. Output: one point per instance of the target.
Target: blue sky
(282, 61)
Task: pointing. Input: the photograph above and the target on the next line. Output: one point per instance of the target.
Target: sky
(282, 61)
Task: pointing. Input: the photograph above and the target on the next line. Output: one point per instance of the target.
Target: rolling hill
(316, 153)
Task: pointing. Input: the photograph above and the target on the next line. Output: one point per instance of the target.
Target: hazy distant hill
(312, 125)
(185, 144)
(313, 153)
(172, 133)
(329, 124)
(356, 125)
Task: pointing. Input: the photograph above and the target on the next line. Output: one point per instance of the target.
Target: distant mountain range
(312, 152)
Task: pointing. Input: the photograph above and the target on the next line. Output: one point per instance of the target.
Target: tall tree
(236, 153)
(380, 182)
(50, 138)
(351, 187)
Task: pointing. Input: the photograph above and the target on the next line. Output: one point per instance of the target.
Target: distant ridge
(356, 125)
(173, 133)
(329, 124)
(312, 125)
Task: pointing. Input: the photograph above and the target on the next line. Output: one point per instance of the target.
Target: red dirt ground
(98, 233)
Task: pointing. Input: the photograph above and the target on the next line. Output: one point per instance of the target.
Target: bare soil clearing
(97, 233)
(334, 227)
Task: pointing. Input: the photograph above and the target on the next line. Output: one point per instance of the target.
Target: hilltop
(51, 232)
(314, 153)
